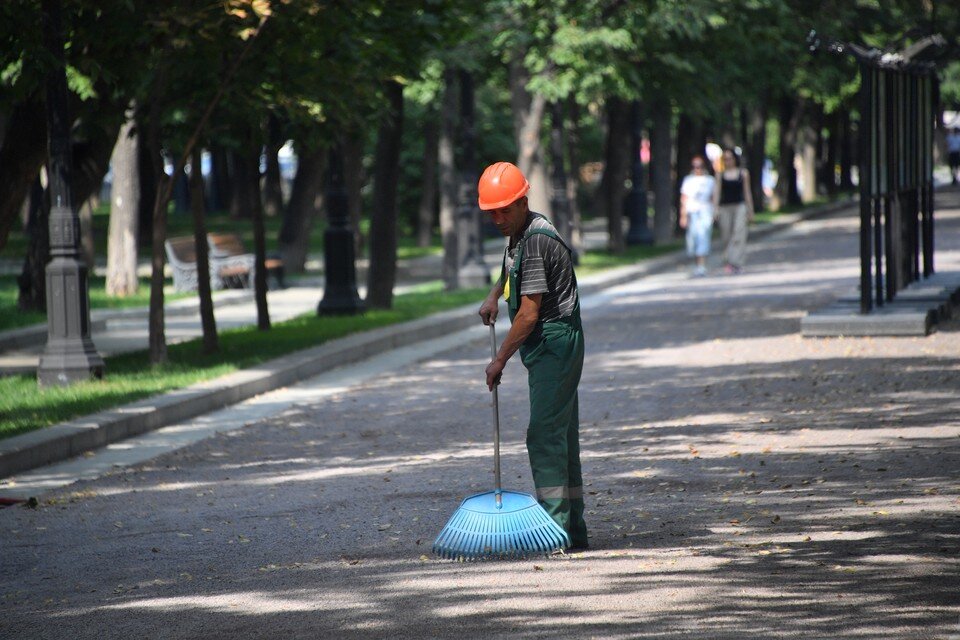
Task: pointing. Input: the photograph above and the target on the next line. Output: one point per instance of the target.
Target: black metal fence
(898, 109)
(897, 105)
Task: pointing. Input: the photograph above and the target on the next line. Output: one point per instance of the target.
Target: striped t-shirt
(546, 269)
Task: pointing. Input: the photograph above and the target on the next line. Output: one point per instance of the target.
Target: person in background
(953, 153)
(734, 202)
(696, 212)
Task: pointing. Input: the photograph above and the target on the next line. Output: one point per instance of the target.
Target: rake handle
(496, 423)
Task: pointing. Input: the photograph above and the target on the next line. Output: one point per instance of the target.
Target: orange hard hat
(501, 184)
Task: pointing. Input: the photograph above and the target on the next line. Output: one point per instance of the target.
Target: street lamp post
(472, 272)
(635, 204)
(340, 295)
(69, 355)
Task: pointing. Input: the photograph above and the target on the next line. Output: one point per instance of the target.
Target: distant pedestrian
(953, 153)
(696, 212)
(734, 202)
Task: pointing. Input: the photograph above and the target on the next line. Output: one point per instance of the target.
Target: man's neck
(514, 239)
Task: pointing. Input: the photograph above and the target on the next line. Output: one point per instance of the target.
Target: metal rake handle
(496, 423)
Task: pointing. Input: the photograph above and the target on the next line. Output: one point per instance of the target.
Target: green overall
(553, 356)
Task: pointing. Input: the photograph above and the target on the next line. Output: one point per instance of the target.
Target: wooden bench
(236, 267)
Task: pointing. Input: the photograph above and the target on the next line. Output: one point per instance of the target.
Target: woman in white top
(696, 212)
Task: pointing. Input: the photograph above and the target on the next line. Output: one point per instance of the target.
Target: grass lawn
(129, 377)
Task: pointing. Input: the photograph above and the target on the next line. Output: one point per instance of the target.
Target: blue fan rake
(498, 523)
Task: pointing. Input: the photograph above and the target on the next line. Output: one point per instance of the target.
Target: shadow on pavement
(741, 482)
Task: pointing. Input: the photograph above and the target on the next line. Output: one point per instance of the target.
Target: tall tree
(124, 224)
(383, 224)
(303, 208)
(208, 323)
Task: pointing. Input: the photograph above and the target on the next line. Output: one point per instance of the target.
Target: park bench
(234, 266)
(230, 264)
(182, 257)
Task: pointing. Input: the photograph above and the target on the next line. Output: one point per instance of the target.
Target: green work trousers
(553, 355)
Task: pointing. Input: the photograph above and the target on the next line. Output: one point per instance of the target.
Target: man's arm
(490, 307)
(523, 324)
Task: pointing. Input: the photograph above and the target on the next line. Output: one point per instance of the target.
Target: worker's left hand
(494, 371)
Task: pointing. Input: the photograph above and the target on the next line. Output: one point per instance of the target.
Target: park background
(599, 103)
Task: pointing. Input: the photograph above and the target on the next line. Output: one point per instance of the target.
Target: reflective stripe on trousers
(559, 493)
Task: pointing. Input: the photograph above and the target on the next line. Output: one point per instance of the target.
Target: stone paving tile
(742, 482)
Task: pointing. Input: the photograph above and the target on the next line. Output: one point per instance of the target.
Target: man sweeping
(540, 288)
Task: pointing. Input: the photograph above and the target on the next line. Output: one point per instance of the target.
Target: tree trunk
(181, 188)
(220, 188)
(828, 173)
(241, 206)
(208, 322)
(661, 154)
(528, 113)
(85, 218)
(691, 141)
(558, 175)
(303, 208)
(32, 279)
(272, 192)
(353, 148)
(91, 161)
(259, 237)
(156, 326)
(845, 144)
(122, 278)
(148, 187)
(383, 225)
(809, 142)
(447, 170)
(573, 177)
(756, 153)
(426, 212)
(790, 113)
(21, 157)
(616, 163)
(808, 164)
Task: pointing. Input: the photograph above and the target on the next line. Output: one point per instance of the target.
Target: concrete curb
(65, 440)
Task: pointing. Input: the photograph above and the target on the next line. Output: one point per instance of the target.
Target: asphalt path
(741, 482)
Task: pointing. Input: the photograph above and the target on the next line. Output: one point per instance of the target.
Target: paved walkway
(742, 482)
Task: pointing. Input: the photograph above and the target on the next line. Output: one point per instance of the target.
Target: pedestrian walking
(953, 153)
(540, 288)
(733, 200)
(696, 212)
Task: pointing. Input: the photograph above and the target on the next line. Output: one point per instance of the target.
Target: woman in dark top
(734, 205)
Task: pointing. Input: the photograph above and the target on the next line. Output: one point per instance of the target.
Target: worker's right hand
(494, 372)
(489, 310)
